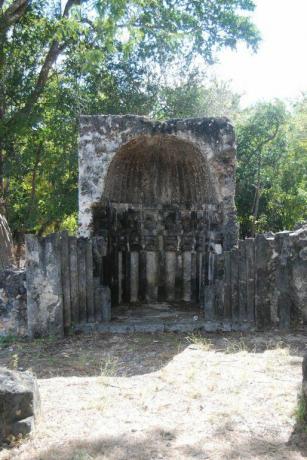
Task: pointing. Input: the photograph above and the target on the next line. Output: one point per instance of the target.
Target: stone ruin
(162, 196)
(19, 402)
(157, 227)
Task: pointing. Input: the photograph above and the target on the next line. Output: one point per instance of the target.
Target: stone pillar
(265, 280)
(120, 277)
(187, 259)
(304, 386)
(44, 286)
(134, 276)
(151, 276)
(299, 271)
(170, 262)
(283, 276)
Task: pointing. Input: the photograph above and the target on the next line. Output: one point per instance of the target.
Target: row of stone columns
(150, 272)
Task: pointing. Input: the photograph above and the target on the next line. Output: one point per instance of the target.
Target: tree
(88, 56)
(271, 173)
(196, 96)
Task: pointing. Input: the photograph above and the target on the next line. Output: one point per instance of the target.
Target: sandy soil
(163, 396)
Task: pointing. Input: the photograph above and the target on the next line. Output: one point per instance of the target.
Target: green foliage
(272, 168)
(301, 412)
(197, 96)
(92, 56)
(7, 340)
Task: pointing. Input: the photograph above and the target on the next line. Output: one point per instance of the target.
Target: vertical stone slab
(134, 276)
(264, 255)
(120, 277)
(151, 276)
(283, 277)
(170, 263)
(209, 302)
(161, 275)
(113, 279)
(97, 299)
(219, 286)
(13, 301)
(127, 276)
(102, 299)
(234, 264)
(242, 281)
(65, 279)
(81, 246)
(179, 277)
(298, 270)
(89, 281)
(227, 285)
(74, 288)
(198, 275)
(194, 282)
(209, 290)
(187, 259)
(250, 288)
(142, 276)
(106, 304)
(204, 275)
(44, 286)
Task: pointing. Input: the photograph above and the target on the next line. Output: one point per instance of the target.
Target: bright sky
(279, 69)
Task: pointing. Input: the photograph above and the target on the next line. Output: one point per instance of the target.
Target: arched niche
(159, 170)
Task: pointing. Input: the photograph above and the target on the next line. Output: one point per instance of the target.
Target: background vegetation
(136, 56)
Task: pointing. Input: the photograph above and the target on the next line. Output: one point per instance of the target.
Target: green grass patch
(7, 340)
(301, 411)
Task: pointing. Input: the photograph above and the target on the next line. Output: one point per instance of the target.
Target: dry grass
(163, 396)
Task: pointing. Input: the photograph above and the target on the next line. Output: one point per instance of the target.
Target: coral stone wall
(13, 302)
(162, 194)
(142, 146)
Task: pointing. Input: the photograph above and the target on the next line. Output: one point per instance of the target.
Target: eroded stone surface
(162, 194)
(140, 139)
(19, 403)
(44, 286)
(13, 302)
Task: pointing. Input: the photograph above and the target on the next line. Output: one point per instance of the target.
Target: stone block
(19, 403)
(13, 303)
(44, 286)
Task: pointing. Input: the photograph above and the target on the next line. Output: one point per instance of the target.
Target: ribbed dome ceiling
(159, 170)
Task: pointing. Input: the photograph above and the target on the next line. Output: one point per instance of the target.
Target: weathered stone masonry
(157, 225)
(13, 302)
(162, 194)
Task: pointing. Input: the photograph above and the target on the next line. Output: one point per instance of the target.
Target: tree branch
(267, 140)
(12, 14)
(69, 5)
(258, 151)
(54, 51)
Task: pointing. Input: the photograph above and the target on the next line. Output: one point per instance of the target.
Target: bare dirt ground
(163, 396)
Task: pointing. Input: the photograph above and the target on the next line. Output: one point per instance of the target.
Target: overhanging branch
(12, 14)
(53, 53)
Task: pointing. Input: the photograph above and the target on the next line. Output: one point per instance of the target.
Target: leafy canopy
(90, 56)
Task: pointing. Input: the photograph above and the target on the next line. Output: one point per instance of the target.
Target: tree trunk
(6, 245)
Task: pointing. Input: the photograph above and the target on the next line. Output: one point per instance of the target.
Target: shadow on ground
(160, 444)
(298, 439)
(132, 354)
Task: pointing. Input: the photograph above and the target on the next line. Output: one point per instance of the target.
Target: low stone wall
(262, 282)
(64, 284)
(13, 303)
